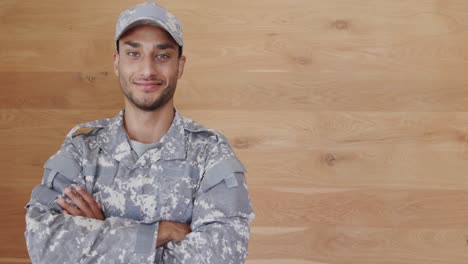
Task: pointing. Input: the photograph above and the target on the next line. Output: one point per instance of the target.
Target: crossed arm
(86, 206)
(218, 232)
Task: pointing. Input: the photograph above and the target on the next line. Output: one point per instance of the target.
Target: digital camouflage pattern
(191, 176)
(149, 13)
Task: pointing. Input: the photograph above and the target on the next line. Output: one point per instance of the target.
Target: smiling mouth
(148, 86)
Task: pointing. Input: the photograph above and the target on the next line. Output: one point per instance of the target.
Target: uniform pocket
(224, 185)
(223, 171)
(231, 200)
(60, 172)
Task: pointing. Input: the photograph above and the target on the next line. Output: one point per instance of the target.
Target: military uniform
(191, 176)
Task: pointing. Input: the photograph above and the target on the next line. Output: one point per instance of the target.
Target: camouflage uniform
(191, 176)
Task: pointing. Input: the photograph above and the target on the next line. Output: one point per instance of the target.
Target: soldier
(147, 186)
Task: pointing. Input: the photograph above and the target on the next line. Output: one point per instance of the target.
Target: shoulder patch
(84, 131)
(85, 128)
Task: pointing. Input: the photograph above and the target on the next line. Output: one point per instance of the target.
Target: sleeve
(221, 217)
(53, 237)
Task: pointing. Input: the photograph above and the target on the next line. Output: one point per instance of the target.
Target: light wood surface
(350, 116)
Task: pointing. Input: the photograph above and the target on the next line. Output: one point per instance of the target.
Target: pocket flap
(223, 171)
(66, 166)
(105, 175)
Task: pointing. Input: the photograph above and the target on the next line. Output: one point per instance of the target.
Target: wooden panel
(350, 116)
(254, 91)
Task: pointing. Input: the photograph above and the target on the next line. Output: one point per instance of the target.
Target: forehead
(147, 33)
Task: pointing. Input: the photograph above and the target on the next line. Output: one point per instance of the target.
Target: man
(147, 186)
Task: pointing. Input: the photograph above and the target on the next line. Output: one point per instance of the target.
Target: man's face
(148, 67)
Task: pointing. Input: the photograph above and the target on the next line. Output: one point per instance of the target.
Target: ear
(116, 64)
(182, 61)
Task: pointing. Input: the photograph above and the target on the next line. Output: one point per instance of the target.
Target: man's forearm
(57, 238)
(86, 206)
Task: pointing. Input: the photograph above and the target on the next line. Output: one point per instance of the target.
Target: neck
(148, 126)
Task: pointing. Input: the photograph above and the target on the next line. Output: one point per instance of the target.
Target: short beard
(165, 97)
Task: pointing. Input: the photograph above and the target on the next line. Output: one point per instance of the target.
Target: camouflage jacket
(191, 176)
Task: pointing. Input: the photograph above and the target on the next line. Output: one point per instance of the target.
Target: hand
(171, 231)
(86, 206)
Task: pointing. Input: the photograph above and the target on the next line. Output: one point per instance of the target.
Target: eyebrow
(165, 46)
(133, 44)
(158, 46)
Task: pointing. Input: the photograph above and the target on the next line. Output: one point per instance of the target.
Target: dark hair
(180, 48)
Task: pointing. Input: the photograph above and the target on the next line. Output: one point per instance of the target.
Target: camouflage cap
(149, 13)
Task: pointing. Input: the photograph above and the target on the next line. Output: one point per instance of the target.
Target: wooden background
(351, 116)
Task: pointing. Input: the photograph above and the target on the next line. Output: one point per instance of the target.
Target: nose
(148, 68)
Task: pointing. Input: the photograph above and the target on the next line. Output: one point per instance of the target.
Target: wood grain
(350, 116)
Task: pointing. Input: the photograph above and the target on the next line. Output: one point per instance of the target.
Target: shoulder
(88, 131)
(199, 134)
(220, 161)
(215, 143)
(83, 138)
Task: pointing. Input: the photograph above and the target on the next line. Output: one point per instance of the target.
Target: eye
(163, 57)
(133, 54)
